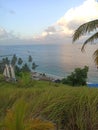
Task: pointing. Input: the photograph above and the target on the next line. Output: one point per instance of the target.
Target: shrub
(77, 78)
(25, 80)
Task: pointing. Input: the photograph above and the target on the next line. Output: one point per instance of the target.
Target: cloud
(11, 38)
(72, 19)
(78, 15)
(3, 33)
(50, 29)
(62, 30)
(7, 37)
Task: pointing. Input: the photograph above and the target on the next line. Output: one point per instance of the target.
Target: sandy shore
(44, 76)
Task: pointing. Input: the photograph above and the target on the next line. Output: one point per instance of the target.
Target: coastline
(45, 76)
(54, 61)
(49, 75)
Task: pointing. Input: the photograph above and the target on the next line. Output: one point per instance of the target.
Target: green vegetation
(19, 65)
(17, 119)
(87, 28)
(38, 105)
(77, 78)
(44, 106)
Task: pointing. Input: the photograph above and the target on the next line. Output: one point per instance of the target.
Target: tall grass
(17, 119)
(67, 107)
(14, 119)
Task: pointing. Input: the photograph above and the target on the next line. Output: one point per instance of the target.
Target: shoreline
(45, 76)
(55, 77)
(50, 75)
(50, 64)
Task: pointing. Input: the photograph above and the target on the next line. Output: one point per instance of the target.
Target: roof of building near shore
(41, 76)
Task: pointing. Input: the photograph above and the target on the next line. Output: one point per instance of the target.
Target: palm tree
(87, 28)
(20, 61)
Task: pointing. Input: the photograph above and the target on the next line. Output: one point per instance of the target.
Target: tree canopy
(87, 28)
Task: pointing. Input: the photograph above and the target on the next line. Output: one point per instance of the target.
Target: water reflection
(72, 57)
(56, 59)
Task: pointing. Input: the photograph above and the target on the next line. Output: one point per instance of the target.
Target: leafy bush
(77, 78)
(25, 80)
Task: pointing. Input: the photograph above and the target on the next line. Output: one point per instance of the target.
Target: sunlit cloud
(62, 30)
(77, 16)
(73, 18)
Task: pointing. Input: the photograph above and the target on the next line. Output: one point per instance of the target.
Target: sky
(43, 21)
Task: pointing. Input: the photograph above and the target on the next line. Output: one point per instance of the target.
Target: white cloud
(78, 15)
(62, 30)
(8, 37)
(3, 33)
(73, 18)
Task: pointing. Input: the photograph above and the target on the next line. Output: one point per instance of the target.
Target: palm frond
(95, 56)
(85, 28)
(91, 39)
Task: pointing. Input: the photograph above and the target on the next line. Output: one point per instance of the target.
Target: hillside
(56, 105)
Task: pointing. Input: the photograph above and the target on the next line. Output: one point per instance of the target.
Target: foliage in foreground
(67, 107)
(16, 119)
(88, 27)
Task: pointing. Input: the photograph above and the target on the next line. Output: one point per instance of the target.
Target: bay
(56, 59)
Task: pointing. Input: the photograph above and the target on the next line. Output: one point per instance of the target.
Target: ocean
(56, 59)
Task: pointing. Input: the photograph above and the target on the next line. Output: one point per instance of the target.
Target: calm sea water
(58, 60)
